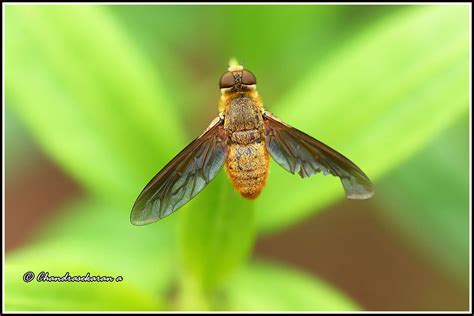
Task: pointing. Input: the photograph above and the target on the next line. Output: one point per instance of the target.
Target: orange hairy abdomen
(247, 167)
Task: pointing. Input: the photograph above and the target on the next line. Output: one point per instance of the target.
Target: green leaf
(70, 296)
(91, 99)
(380, 99)
(90, 233)
(264, 286)
(432, 210)
(285, 39)
(216, 236)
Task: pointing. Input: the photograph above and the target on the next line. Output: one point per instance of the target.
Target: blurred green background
(99, 98)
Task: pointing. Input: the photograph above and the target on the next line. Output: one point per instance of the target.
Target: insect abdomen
(247, 167)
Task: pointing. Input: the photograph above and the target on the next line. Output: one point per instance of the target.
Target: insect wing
(183, 177)
(296, 151)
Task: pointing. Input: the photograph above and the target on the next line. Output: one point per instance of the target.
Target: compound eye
(248, 78)
(227, 80)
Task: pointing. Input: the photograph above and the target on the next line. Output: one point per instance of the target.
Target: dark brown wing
(183, 177)
(298, 152)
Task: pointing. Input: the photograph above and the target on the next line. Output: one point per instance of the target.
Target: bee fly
(242, 137)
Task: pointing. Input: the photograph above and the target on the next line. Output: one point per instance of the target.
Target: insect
(242, 137)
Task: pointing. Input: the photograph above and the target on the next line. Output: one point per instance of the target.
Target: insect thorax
(242, 114)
